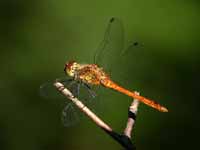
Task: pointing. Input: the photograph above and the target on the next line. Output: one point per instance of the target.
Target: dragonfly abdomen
(110, 84)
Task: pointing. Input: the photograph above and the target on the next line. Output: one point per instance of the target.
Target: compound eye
(69, 65)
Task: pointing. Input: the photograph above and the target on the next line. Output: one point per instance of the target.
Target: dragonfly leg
(78, 89)
(66, 81)
(73, 86)
(92, 93)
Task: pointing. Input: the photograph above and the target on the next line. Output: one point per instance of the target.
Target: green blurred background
(38, 37)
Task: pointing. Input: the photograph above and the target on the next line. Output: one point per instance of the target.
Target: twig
(124, 139)
(131, 117)
(81, 106)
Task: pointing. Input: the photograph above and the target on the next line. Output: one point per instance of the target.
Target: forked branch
(125, 138)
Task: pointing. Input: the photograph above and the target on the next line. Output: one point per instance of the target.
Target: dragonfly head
(71, 68)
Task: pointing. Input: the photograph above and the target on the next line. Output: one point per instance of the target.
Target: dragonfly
(85, 76)
(95, 75)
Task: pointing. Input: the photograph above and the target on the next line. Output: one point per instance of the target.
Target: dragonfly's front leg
(92, 93)
(78, 89)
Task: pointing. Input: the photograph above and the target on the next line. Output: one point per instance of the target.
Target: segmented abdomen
(110, 84)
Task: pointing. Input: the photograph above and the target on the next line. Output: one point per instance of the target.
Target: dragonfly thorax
(71, 67)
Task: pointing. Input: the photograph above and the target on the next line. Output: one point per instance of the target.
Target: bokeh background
(38, 37)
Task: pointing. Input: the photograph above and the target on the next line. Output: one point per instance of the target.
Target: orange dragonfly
(92, 74)
(85, 75)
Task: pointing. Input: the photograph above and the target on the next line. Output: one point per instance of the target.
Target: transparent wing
(109, 50)
(70, 115)
(111, 54)
(88, 95)
(48, 90)
(80, 90)
(131, 64)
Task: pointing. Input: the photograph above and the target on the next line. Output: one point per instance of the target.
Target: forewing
(110, 48)
(49, 91)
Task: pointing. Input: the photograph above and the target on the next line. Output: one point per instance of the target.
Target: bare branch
(124, 139)
(131, 117)
(81, 106)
